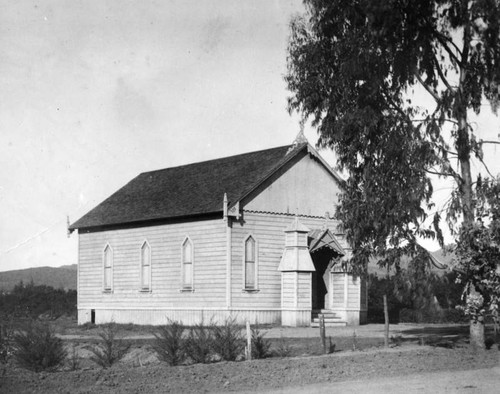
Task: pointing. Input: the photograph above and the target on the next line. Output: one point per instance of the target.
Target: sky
(95, 92)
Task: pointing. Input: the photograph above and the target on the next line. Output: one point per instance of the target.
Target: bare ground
(140, 371)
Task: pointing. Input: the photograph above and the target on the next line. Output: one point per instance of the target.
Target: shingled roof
(189, 190)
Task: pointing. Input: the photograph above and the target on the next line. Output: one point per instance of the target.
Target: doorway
(320, 278)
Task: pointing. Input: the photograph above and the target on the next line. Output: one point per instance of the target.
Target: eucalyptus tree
(352, 68)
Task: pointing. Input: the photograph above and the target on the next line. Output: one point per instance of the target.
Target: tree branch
(397, 108)
(440, 173)
(485, 166)
(440, 73)
(447, 173)
(443, 40)
(489, 142)
(426, 87)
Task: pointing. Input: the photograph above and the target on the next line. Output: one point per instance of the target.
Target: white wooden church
(248, 237)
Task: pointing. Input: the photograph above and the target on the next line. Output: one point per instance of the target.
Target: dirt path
(364, 331)
(356, 370)
(485, 380)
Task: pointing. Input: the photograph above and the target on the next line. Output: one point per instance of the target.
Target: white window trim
(110, 288)
(256, 256)
(183, 287)
(141, 288)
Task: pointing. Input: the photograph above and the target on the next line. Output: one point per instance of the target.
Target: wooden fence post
(322, 332)
(248, 349)
(386, 322)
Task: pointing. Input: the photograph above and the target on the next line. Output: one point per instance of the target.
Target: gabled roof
(318, 239)
(190, 190)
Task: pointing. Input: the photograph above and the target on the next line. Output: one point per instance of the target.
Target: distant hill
(59, 277)
(444, 257)
(440, 255)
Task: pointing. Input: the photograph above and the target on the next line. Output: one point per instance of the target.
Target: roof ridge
(214, 160)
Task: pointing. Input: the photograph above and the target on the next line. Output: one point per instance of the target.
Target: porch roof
(320, 238)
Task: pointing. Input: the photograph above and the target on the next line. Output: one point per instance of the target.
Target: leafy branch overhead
(352, 67)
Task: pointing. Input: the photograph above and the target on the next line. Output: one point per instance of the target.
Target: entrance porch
(316, 281)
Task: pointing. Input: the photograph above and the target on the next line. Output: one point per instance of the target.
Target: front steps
(331, 319)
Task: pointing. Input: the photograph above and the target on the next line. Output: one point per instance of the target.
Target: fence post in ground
(322, 332)
(386, 322)
(248, 348)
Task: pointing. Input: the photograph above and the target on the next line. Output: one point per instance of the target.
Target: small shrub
(5, 348)
(282, 349)
(37, 348)
(354, 341)
(432, 316)
(110, 349)
(260, 345)
(228, 341)
(199, 344)
(331, 347)
(169, 344)
(396, 340)
(489, 343)
(87, 326)
(74, 358)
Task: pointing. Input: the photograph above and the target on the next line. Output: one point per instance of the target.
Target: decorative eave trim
(282, 214)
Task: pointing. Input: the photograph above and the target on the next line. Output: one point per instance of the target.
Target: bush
(199, 344)
(37, 348)
(5, 348)
(169, 344)
(74, 358)
(30, 300)
(432, 316)
(282, 349)
(260, 345)
(110, 349)
(228, 341)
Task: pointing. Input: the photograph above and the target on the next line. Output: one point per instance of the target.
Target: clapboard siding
(288, 283)
(338, 290)
(363, 295)
(268, 231)
(353, 300)
(304, 299)
(208, 239)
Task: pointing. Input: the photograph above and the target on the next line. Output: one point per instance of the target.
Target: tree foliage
(478, 248)
(352, 69)
(30, 300)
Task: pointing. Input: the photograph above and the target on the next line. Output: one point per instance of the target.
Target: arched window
(145, 267)
(187, 264)
(108, 268)
(250, 264)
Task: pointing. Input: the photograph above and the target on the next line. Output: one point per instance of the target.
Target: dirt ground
(358, 357)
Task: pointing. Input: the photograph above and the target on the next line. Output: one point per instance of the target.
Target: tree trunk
(477, 335)
(386, 322)
(464, 148)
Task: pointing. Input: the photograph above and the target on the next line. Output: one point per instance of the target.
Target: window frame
(246, 288)
(184, 286)
(142, 288)
(105, 288)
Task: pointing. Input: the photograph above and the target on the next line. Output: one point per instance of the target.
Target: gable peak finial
(300, 138)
